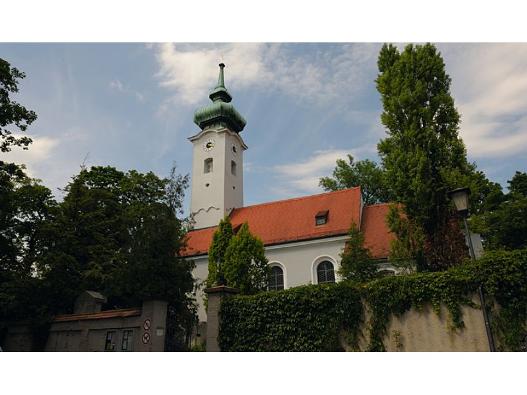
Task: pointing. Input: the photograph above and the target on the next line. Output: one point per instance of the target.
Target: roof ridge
(296, 198)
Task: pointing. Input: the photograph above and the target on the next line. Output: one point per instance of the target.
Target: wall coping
(221, 289)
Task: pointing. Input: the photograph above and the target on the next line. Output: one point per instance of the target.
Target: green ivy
(306, 318)
(313, 317)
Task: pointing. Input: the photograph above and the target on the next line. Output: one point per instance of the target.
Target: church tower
(217, 163)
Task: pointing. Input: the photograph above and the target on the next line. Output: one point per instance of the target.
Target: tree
(364, 173)
(356, 261)
(220, 242)
(518, 184)
(122, 230)
(27, 207)
(423, 148)
(11, 112)
(407, 248)
(505, 225)
(237, 259)
(245, 266)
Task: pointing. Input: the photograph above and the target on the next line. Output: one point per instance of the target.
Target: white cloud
(322, 76)
(489, 83)
(303, 178)
(40, 150)
(120, 87)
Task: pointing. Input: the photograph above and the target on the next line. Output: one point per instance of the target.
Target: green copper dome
(220, 112)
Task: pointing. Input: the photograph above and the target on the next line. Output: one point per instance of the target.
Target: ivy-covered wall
(358, 316)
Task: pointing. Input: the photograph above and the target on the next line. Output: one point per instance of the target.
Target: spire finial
(221, 78)
(220, 93)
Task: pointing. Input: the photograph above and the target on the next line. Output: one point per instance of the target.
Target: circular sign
(147, 324)
(146, 337)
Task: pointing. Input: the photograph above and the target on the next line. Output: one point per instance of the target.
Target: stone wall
(127, 330)
(415, 330)
(425, 330)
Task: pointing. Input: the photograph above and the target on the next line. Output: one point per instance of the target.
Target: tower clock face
(208, 145)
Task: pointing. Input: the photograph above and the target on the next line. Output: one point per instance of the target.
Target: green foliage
(356, 261)
(307, 318)
(364, 173)
(122, 231)
(241, 258)
(11, 112)
(518, 184)
(220, 242)
(26, 209)
(114, 232)
(505, 225)
(245, 265)
(406, 250)
(504, 278)
(311, 318)
(423, 149)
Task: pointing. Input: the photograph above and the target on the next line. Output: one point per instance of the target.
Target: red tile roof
(291, 220)
(98, 316)
(377, 236)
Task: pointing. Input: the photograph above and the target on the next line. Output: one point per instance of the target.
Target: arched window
(325, 272)
(276, 279)
(207, 168)
(233, 167)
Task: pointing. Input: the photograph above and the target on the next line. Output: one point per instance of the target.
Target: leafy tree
(518, 183)
(11, 112)
(245, 265)
(407, 248)
(505, 226)
(122, 231)
(220, 242)
(26, 211)
(356, 261)
(423, 148)
(364, 173)
(485, 195)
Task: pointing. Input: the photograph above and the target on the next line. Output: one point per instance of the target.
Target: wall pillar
(215, 297)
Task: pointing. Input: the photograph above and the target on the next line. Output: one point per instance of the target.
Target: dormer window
(207, 168)
(321, 217)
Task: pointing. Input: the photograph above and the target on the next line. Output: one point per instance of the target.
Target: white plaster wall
(209, 204)
(298, 259)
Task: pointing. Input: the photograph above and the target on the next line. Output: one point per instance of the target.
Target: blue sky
(131, 106)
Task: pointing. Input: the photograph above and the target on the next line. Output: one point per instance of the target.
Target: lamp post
(460, 198)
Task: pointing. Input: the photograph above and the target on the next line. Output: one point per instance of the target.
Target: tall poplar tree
(423, 150)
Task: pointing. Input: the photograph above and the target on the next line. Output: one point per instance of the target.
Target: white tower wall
(215, 194)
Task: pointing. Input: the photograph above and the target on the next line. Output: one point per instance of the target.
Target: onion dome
(221, 112)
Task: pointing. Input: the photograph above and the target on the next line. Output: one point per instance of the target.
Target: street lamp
(460, 198)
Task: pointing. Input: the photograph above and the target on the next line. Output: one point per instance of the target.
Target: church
(303, 237)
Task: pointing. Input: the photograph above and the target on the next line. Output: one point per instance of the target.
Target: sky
(131, 106)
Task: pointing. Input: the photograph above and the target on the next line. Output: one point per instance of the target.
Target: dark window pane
(127, 341)
(109, 345)
(276, 279)
(325, 272)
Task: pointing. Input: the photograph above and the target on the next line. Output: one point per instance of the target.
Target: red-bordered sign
(147, 324)
(146, 337)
